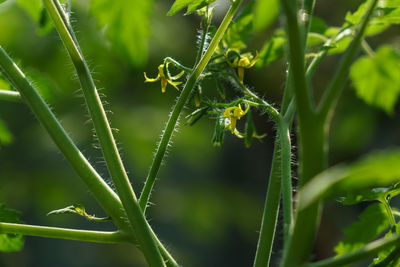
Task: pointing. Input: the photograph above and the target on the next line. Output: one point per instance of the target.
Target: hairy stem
(313, 151)
(102, 192)
(109, 148)
(190, 83)
(64, 233)
(270, 213)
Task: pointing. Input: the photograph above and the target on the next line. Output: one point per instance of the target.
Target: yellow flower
(164, 80)
(244, 61)
(234, 114)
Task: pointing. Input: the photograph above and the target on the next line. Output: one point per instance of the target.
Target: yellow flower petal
(174, 84)
(164, 83)
(241, 74)
(150, 80)
(176, 77)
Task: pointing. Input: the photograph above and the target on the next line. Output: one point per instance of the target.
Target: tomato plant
(217, 85)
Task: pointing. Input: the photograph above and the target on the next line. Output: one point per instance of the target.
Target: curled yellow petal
(150, 80)
(176, 77)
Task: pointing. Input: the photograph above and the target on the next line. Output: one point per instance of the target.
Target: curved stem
(367, 48)
(64, 233)
(190, 83)
(12, 96)
(368, 251)
(177, 64)
(389, 212)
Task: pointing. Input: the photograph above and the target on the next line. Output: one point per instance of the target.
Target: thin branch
(64, 233)
(368, 251)
(190, 83)
(12, 96)
(365, 46)
(338, 81)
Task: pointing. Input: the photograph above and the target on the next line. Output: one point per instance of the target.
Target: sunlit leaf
(265, 13)
(273, 49)
(192, 5)
(6, 137)
(386, 13)
(377, 79)
(4, 84)
(318, 26)
(373, 221)
(240, 31)
(10, 242)
(127, 26)
(375, 170)
(37, 12)
(80, 210)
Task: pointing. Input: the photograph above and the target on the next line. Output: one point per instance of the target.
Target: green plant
(304, 41)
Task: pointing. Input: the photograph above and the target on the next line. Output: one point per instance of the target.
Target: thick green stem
(107, 143)
(301, 240)
(366, 252)
(12, 96)
(190, 83)
(102, 192)
(296, 56)
(313, 150)
(64, 233)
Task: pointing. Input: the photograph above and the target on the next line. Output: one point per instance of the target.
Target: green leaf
(6, 138)
(37, 12)
(265, 12)
(80, 210)
(318, 25)
(10, 242)
(240, 31)
(379, 193)
(127, 26)
(386, 13)
(4, 84)
(375, 170)
(377, 79)
(2, 1)
(273, 49)
(373, 221)
(390, 257)
(192, 5)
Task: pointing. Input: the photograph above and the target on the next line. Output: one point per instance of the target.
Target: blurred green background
(207, 201)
